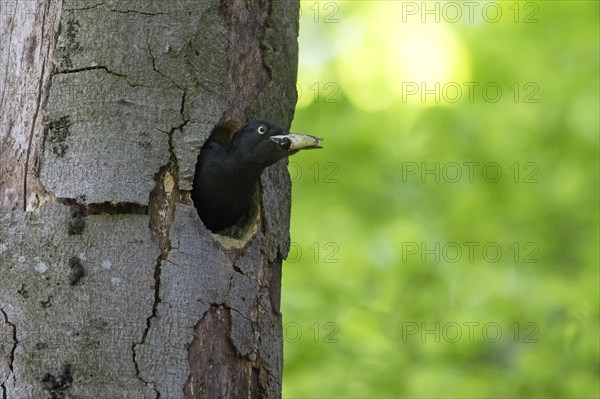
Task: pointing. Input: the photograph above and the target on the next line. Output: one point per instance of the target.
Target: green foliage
(394, 286)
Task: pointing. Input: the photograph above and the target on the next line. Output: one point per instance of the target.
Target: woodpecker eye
(262, 129)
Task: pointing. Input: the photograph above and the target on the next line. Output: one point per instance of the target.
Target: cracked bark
(9, 353)
(92, 68)
(98, 145)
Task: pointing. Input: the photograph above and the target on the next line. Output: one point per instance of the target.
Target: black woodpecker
(227, 171)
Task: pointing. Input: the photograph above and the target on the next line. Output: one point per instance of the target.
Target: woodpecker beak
(295, 142)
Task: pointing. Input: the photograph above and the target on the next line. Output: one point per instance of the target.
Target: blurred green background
(445, 242)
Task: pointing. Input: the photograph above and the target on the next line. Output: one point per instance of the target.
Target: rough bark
(110, 286)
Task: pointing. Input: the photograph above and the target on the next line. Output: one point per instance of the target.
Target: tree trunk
(110, 285)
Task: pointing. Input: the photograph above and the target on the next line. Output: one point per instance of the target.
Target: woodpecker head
(263, 143)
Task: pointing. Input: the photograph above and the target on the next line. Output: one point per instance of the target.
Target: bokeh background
(445, 243)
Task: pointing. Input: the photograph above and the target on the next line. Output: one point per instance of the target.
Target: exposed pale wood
(27, 38)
